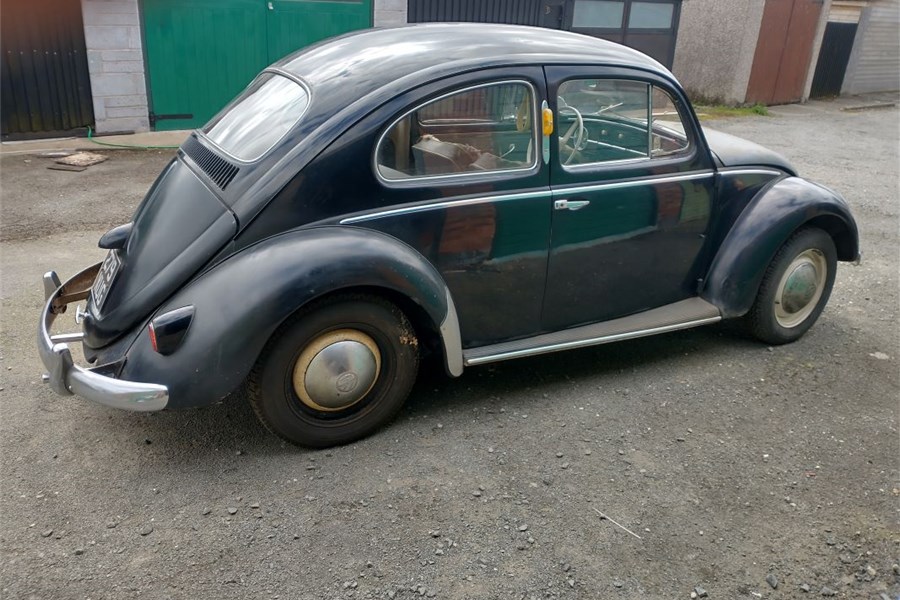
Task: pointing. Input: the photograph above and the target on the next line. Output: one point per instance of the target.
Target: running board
(692, 312)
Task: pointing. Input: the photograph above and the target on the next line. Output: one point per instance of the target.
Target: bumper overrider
(67, 378)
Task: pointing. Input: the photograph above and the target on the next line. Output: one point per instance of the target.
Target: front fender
(240, 303)
(762, 228)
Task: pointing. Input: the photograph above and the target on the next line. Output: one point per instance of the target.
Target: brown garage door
(783, 51)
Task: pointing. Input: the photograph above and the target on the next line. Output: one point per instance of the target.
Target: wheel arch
(768, 221)
(241, 302)
(427, 330)
(844, 237)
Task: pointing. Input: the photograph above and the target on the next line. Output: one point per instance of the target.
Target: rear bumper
(67, 378)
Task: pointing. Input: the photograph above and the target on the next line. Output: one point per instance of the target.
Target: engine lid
(180, 225)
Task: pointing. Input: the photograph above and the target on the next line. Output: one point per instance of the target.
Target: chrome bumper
(67, 378)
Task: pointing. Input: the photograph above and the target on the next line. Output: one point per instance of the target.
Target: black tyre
(795, 288)
(336, 372)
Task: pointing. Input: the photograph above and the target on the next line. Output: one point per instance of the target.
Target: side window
(485, 128)
(606, 120)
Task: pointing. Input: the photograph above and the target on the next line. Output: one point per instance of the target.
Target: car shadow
(233, 426)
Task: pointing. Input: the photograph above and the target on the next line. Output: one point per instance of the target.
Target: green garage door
(201, 53)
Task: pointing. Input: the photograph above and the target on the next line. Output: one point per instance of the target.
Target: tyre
(336, 372)
(795, 288)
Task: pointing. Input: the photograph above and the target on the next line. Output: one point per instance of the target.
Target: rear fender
(240, 303)
(762, 228)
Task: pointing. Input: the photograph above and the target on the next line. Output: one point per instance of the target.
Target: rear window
(253, 123)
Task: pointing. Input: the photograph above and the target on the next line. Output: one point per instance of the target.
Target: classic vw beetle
(481, 192)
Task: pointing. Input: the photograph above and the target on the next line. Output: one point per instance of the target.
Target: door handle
(570, 204)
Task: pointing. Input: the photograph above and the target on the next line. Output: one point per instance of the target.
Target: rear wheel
(336, 372)
(795, 288)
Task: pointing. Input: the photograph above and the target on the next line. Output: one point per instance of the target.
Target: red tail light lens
(167, 331)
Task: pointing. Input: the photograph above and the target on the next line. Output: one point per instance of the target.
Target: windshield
(249, 126)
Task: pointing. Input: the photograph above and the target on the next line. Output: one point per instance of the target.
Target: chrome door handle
(570, 204)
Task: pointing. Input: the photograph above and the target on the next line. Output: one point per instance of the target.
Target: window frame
(415, 180)
(685, 154)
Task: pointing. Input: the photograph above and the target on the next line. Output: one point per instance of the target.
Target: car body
(476, 192)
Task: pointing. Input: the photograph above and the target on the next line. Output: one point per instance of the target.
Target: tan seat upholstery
(434, 157)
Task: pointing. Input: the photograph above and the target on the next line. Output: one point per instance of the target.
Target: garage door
(201, 53)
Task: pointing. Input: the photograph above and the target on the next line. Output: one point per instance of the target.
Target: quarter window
(606, 120)
(476, 130)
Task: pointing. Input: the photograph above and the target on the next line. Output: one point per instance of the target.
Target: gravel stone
(772, 580)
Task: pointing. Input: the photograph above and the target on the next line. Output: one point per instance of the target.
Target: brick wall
(112, 34)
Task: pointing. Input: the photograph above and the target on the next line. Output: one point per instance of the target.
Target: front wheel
(795, 288)
(336, 372)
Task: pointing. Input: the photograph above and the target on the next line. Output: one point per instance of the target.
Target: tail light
(167, 331)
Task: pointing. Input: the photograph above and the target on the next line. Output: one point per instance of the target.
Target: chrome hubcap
(800, 288)
(336, 370)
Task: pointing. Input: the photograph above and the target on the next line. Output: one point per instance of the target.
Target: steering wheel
(577, 129)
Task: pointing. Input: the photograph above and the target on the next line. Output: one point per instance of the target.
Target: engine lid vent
(219, 170)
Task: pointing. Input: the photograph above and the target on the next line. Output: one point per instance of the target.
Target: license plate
(108, 271)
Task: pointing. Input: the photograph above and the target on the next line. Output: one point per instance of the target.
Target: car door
(459, 175)
(632, 190)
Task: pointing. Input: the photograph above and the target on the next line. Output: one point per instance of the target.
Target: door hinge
(155, 117)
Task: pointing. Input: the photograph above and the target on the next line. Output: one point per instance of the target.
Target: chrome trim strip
(452, 340)
(590, 341)
(67, 378)
(742, 171)
(415, 179)
(581, 189)
(523, 196)
(448, 204)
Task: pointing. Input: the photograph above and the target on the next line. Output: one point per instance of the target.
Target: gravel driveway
(723, 467)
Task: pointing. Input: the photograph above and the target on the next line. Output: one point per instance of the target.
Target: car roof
(371, 59)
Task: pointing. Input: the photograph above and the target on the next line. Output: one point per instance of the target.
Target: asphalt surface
(718, 463)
